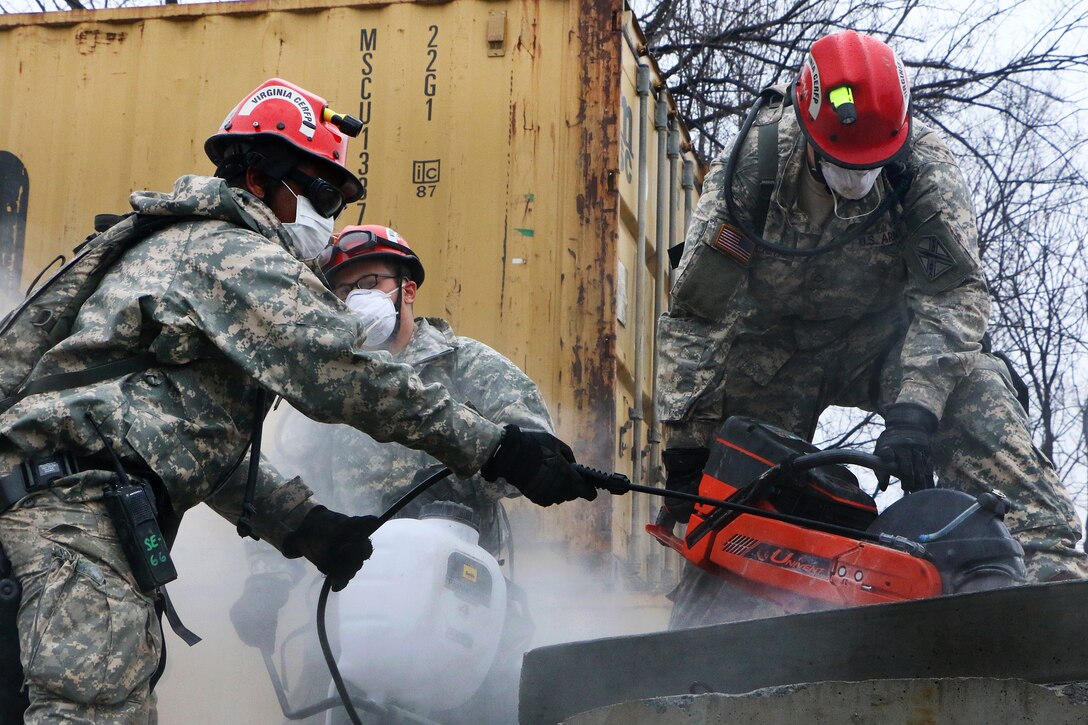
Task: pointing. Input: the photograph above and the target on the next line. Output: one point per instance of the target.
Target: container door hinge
(496, 34)
(621, 438)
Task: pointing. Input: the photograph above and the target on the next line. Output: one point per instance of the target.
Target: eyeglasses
(357, 243)
(367, 281)
(326, 198)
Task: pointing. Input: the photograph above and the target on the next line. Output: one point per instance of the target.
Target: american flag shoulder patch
(732, 241)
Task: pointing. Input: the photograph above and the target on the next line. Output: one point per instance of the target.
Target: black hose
(326, 650)
(616, 483)
(413, 494)
(309, 710)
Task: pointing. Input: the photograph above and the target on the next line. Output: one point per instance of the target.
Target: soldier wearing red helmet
(833, 260)
(278, 114)
(374, 270)
(167, 374)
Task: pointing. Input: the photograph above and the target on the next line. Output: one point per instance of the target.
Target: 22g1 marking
(430, 75)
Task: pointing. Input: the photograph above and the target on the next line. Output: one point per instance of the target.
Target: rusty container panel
(654, 147)
(501, 138)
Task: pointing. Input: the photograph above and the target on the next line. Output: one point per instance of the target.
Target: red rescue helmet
(852, 99)
(278, 109)
(367, 242)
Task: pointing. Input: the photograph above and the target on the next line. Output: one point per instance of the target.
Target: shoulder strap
(79, 378)
(767, 157)
(767, 150)
(260, 410)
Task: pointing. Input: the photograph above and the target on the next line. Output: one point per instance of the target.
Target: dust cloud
(221, 680)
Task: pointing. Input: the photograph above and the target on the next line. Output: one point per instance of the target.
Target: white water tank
(420, 623)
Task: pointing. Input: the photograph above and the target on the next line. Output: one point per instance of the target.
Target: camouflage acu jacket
(223, 304)
(920, 259)
(358, 474)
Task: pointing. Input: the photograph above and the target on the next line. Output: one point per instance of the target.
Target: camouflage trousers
(982, 443)
(89, 640)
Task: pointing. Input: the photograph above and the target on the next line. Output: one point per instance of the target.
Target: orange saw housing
(799, 567)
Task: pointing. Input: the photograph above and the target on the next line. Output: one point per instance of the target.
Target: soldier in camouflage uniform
(865, 291)
(375, 271)
(226, 304)
(367, 476)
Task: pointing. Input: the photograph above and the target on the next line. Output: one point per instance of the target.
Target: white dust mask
(309, 231)
(849, 183)
(377, 315)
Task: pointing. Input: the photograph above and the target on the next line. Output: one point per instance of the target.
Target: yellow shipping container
(526, 149)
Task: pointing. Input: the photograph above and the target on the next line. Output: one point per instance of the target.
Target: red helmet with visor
(281, 110)
(852, 99)
(370, 242)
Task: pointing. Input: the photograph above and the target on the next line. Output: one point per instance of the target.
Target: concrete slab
(1034, 633)
(876, 702)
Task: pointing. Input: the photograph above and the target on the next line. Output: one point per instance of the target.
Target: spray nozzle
(614, 483)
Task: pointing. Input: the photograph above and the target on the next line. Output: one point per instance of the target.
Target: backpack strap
(767, 152)
(58, 325)
(80, 378)
(260, 410)
(767, 157)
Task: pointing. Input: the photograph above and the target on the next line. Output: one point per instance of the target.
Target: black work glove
(256, 612)
(905, 444)
(537, 464)
(683, 472)
(336, 544)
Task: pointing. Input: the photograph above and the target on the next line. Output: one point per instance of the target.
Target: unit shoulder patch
(936, 260)
(934, 257)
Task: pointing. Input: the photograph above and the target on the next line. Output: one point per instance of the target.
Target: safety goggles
(326, 198)
(356, 244)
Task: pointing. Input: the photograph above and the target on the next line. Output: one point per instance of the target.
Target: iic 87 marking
(426, 173)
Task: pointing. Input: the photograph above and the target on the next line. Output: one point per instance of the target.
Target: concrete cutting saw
(791, 523)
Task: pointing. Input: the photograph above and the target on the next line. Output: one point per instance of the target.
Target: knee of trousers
(985, 398)
(984, 432)
(87, 635)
